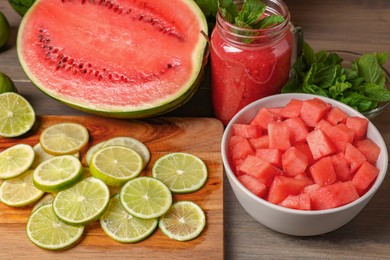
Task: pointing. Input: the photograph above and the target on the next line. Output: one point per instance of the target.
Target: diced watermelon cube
(294, 162)
(260, 169)
(279, 136)
(336, 116)
(364, 177)
(240, 148)
(271, 155)
(304, 147)
(323, 171)
(311, 187)
(313, 110)
(304, 176)
(369, 148)
(320, 145)
(264, 117)
(301, 202)
(354, 157)
(247, 131)
(341, 167)
(298, 130)
(276, 110)
(292, 109)
(261, 142)
(339, 134)
(358, 125)
(282, 186)
(332, 196)
(254, 185)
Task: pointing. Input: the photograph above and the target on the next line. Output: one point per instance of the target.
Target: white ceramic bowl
(291, 221)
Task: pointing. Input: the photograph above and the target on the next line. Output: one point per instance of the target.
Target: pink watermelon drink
(248, 64)
(307, 155)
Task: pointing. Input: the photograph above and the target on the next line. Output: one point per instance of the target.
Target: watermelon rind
(199, 57)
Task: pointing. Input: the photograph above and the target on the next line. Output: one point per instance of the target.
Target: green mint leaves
(361, 85)
(250, 16)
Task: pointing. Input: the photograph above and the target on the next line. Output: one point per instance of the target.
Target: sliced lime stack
(19, 191)
(184, 221)
(64, 138)
(41, 155)
(15, 160)
(83, 203)
(125, 141)
(46, 199)
(145, 197)
(124, 227)
(181, 172)
(58, 173)
(115, 165)
(45, 230)
(16, 115)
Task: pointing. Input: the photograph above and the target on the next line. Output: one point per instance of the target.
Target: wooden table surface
(354, 25)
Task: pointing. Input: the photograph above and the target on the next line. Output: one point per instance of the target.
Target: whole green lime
(6, 84)
(21, 6)
(4, 30)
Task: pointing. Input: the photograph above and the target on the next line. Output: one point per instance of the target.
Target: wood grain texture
(161, 136)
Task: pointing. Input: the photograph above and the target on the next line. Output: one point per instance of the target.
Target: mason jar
(248, 64)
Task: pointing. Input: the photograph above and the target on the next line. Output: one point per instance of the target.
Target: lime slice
(64, 138)
(125, 141)
(83, 203)
(184, 221)
(58, 173)
(47, 199)
(19, 191)
(41, 155)
(15, 160)
(45, 230)
(122, 226)
(6, 84)
(145, 197)
(115, 165)
(16, 115)
(181, 172)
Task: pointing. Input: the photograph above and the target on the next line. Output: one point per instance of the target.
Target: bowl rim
(288, 96)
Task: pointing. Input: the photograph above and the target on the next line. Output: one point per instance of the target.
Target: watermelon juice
(248, 64)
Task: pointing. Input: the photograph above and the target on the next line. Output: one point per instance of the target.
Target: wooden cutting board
(199, 136)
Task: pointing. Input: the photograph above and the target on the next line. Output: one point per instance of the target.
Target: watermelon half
(116, 58)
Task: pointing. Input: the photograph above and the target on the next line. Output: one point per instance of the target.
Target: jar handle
(297, 33)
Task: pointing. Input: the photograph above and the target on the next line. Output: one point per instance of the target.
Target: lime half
(125, 141)
(17, 116)
(64, 138)
(58, 173)
(122, 226)
(45, 230)
(19, 191)
(184, 221)
(115, 165)
(181, 172)
(15, 160)
(83, 203)
(145, 197)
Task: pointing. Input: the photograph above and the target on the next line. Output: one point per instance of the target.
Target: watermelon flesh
(121, 58)
(314, 158)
